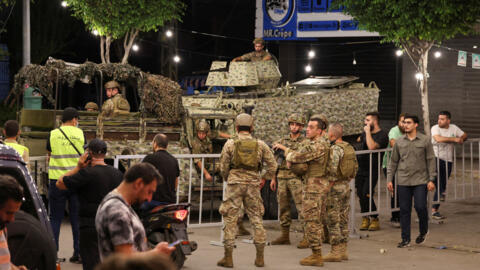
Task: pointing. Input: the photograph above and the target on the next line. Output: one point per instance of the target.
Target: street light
(169, 33)
(311, 54)
(437, 54)
(64, 4)
(135, 47)
(308, 68)
(399, 52)
(176, 58)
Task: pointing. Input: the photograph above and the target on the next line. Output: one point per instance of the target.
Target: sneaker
(421, 238)
(437, 216)
(404, 243)
(60, 260)
(75, 259)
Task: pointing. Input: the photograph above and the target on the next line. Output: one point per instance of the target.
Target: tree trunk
(108, 41)
(423, 88)
(102, 49)
(128, 43)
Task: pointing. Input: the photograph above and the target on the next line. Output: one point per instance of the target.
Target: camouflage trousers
(313, 205)
(249, 196)
(338, 207)
(289, 189)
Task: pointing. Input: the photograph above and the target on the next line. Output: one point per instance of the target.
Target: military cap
(244, 119)
(259, 41)
(296, 118)
(112, 84)
(92, 106)
(321, 117)
(203, 126)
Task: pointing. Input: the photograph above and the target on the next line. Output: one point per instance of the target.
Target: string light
(64, 4)
(169, 33)
(176, 58)
(399, 52)
(437, 54)
(311, 54)
(308, 68)
(135, 47)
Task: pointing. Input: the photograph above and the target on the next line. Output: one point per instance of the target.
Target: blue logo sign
(279, 19)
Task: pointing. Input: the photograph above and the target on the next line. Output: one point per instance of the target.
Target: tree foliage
(415, 25)
(114, 19)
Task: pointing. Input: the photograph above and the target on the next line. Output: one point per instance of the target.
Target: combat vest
(245, 155)
(283, 170)
(18, 147)
(64, 157)
(348, 166)
(318, 167)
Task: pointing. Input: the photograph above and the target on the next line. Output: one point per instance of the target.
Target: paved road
(460, 234)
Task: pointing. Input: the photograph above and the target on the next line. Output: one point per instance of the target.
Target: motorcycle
(167, 223)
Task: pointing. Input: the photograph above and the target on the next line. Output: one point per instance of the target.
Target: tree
(115, 19)
(415, 25)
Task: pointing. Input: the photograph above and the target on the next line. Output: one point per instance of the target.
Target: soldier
(342, 168)
(240, 164)
(116, 104)
(315, 154)
(289, 184)
(91, 107)
(258, 55)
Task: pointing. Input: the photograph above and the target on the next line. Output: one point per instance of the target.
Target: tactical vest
(348, 166)
(18, 147)
(318, 167)
(64, 157)
(245, 155)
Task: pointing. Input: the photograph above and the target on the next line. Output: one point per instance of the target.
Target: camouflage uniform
(115, 106)
(203, 147)
(316, 186)
(255, 56)
(243, 186)
(289, 184)
(338, 200)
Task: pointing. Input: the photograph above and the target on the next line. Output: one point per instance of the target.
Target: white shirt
(445, 150)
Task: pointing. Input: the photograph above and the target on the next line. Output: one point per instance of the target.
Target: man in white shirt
(444, 137)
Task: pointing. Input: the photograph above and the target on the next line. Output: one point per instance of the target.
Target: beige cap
(112, 84)
(244, 119)
(259, 41)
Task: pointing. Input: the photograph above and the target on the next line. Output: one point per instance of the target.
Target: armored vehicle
(339, 98)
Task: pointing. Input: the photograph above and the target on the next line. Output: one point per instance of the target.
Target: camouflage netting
(163, 95)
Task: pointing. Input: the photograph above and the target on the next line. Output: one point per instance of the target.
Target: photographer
(92, 179)
(289, 184)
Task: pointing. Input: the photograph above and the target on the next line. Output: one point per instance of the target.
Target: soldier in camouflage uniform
(315, 154)
(91, 107)
(116, 104)
(258, 55)
(342, 168)
(240, 164)
(289, 184)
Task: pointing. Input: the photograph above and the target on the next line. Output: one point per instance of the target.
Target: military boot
(304, 243)
(313, 260)
(374, 224)
(259, 262)
(335, 255)
(241, 229)
(365, 224)
(227, 260)
(343, 249)
(284, 238)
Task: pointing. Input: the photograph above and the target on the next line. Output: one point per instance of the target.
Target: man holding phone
(91, 180)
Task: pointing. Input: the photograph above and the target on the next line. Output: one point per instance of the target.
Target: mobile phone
(89, 157)
(175, 243)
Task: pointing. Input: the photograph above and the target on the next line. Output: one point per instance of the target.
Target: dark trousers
(89, 247)
(394, 200)
(57, 200)
(444, 169)
(362, 184)
(419, 195)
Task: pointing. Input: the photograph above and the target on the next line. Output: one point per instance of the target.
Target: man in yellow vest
(64, 146)
(11, 130)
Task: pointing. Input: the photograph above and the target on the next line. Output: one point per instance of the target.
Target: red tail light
(181, 214)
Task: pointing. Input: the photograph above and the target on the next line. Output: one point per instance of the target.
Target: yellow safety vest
(18, 147)
(64, 157)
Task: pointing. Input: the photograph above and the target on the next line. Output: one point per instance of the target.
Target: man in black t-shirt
(168, 167)
(92, 179)
(372, 138)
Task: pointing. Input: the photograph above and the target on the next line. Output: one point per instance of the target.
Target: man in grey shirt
(413, 161)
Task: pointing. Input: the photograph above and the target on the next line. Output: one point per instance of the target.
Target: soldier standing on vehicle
(116, 104)
(342, 168)
(258, 55)
(91, 107)
(289, 184)
(240, 164)
(11, 131)
(315, 154)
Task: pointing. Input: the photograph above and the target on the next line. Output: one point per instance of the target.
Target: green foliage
(116, 18)
(424, 20)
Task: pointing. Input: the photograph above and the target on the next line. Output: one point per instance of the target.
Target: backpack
(348, 166)
(245, 155)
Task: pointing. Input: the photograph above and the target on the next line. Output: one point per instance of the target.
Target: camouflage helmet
(259, 41)
(244, 119)
(203, 127)
(112, 84)
(91, 106)
(296, 118)
(321, 117)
